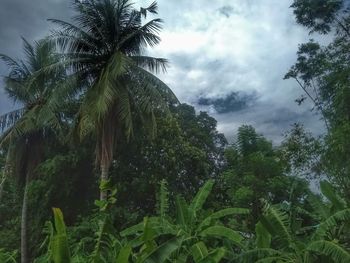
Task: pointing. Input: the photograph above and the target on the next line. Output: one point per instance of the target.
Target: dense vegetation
(104, 164)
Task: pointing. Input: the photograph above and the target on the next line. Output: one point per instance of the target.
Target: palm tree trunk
(5, 173)
(24, 224)
(104, 178)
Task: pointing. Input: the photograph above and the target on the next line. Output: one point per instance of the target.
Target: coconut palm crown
(105, 46)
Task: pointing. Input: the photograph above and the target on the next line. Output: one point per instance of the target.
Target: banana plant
(107, 247)
(276, 242)
(189, 237)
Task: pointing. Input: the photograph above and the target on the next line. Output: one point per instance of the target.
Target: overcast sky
(222, 52)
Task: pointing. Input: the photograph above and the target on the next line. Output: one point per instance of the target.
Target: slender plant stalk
(24, 224)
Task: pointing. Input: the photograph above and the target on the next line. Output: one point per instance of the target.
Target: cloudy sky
(227, 57)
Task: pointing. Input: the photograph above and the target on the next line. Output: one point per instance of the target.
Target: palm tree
(104, 47)
(29, 128)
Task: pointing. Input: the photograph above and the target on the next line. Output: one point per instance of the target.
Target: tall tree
(32, 126)
(254, 171)
(320, 15)
(105, 47)
(323, 72)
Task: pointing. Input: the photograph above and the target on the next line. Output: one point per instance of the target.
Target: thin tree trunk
(104, 178)
(24, 224)
(4, 175)
(2, 183)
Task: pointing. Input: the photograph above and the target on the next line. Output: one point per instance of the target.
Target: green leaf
(263, 237)
(331, 223)
(330, 249)
(181, 211)
(124, 254)
(319, 207)
(258, 254)
(200, 198)
(223, 213)
(59, 243)
(199, 251)
(277, 222)
(214, 256)
(223, 232)
(148, 231)
(132, 230)
(105, 185)
(328, 191)
(164, 251)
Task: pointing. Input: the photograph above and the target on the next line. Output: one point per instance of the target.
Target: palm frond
(146, 35)
(152, 64)
(11, 63)
(9, 119)
(153, 9)
(166, 95)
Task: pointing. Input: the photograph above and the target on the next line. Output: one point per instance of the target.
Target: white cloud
(249, 47)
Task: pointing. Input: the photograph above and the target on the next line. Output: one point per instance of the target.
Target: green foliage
(190, 234)
(202, 238)
(256, 170)
(184, 153)
(317, 15)
(58, 241)
(113, 72)
(301, 152)
(331, 249)
(322, 72)
(7, 257)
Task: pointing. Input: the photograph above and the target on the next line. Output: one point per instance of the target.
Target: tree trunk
(5, 173)
(104, 178)
(2, 183)
(24, 224)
